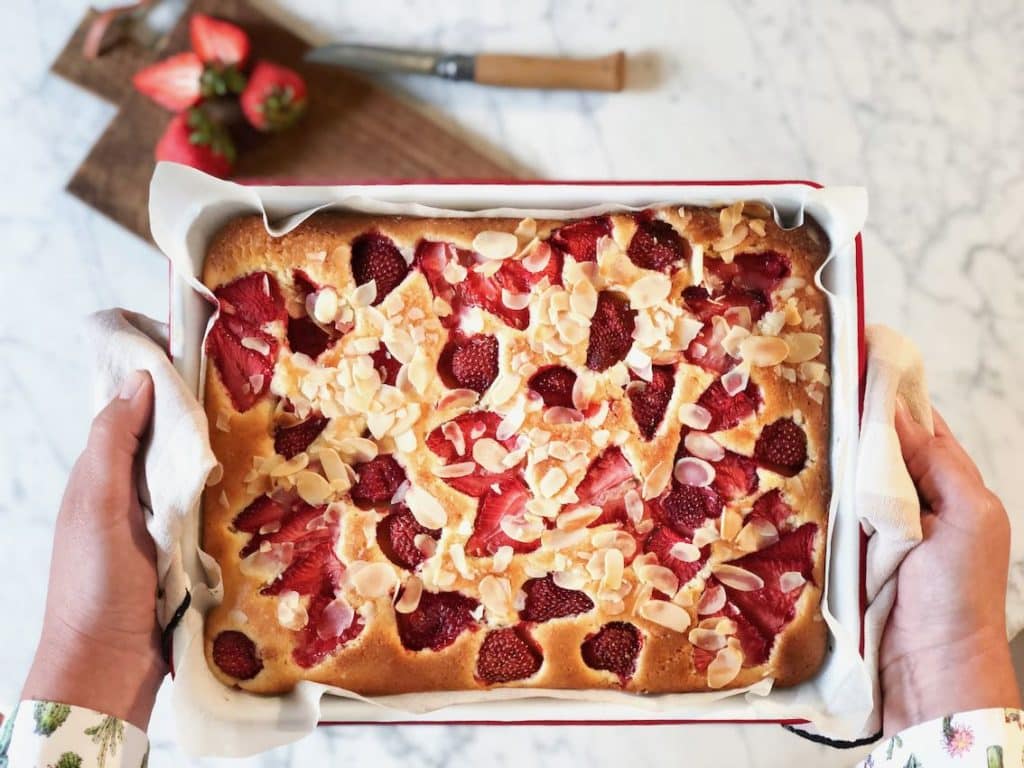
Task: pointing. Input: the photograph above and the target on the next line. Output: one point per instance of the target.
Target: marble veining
(919, 100)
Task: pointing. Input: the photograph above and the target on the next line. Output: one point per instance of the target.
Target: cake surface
(461, 453)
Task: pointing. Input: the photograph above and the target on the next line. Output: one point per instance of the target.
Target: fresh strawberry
(193, 139)
(375, 257)
(386, 365)
(728, 411)
(769, 609)
(255, 298)
(290, 441)
(554, 384)
(782, 447)
(506, 655)
(315, 641)
(615, 648)
(509, 499)
(611, 331)
(735, 476)
(307, 337)
(378, 481)
(772, 507)
(437, 621)
(236, 655)
(396, 537)
(469, 362)
(310, 572)
(706, 351)
(661, 540)
(218, 42)
(650, 399)
(472, 425)
(657, 245)
(545, 600)
(607, 481)
(685, 508)
(579, 238)
(245, 372)
(262, 511)
(172, 83)
(274, 98)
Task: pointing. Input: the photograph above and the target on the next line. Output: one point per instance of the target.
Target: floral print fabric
(49, 734)
(987, 738)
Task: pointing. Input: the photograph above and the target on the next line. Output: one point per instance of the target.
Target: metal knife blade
(372, 58)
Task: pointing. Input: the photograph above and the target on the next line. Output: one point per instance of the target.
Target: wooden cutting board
(353, 129)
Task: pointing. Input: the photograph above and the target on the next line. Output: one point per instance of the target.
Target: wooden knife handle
(605, 73)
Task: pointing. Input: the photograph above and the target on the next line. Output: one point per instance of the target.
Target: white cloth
(178, 458)
(887, 501)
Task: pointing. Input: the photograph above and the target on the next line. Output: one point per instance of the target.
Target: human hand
(100, 644)
(945, 648)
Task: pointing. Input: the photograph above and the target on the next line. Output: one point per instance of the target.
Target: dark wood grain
(354, 129)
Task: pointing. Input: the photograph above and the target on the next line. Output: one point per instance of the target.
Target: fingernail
(132, 383)
(901, 404)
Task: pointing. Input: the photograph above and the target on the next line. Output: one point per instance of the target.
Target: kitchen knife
(604, 73)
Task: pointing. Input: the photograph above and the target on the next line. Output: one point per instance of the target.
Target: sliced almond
(490, 454)
(296, 463)
(216, 475)
(685, 552)
(615, 539)
(495, 245)
(578, 517)
(537, 259)
(291, 614)
(449, 471)
(410, 599)
(694, 416)
(515, 301)
(764, 351)
(496, 595)
(374, 579)
(558, 415)
(552, 482)
(658, 576)
(634, 506)
(364, 295)
(526, 229)
(802, 346)
(259, 346)
(425, 508)
(705, 535)
(736, 379)
(559, 539)
(707, 639)
(730, 524)
(666, 614)
(425, 543)
(704, 446)
(312, 488)
(737, 578)
(502, 558)
(657, 479)
(693, 471)
(649, 291)
(756, 535)
(712, 600)
(791, 580)
(525, 529)
(613, 567)
(725, 666)
(325, 305)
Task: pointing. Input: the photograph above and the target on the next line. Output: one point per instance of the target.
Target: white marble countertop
(918, 100)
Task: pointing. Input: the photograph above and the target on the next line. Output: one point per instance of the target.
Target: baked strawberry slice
(431, 258)
(307, 337)
(506, 655)
(735, 476)
(773, 507)
(262, 511)
(378, 481)
(611, 331)
(755, 644)
(656, 245)
(235, 653)
(660, 541)
(770, 608)
(292, 526)
(309, 573)
(782, 447)
(729, 410)
(699, 301)
(554, 384)
(760, 271)
(245, 372)
(396, 537)
(685, 508)
(485, 292)
(579, 238)
(376, 257)
(545, 601)
(293, 440)
(469, 362)
(255, 298)
(615, 648)
(508, 500)
(650, 399)
(608, 479)
(437, 622)
(386, 365)
(173, 83)
(453, 442)
(706, 351)
(331, 624)
(517, 278)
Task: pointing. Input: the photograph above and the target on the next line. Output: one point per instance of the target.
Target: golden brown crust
(375, 662)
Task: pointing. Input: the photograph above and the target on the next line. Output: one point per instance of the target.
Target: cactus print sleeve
(49, 734)
(982, 738)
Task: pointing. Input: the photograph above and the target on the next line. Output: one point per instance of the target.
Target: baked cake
(460, 453)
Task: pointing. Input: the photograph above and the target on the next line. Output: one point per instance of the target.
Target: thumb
(117, 428)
